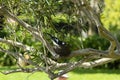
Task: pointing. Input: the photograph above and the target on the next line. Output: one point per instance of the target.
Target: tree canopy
(24, 25)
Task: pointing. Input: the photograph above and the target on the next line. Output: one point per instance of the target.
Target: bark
(100, 57)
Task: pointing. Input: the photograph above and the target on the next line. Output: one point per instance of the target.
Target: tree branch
(106, 56)
(70, 66)
(37, 34)
(88, 51)
(17, 55)
(102, 31)
(17, 44)
(27, 70)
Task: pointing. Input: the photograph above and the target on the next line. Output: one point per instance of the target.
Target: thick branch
(37, 34)
(97, 62)
(81, 63)
(94, 53)
(109, 56)
(89, 51)
(89, 64)
(102, 31)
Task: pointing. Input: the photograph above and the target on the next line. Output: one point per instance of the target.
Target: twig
(102, 31)
(37, 34)
(69, 68)
(27, 70)
(17, 44)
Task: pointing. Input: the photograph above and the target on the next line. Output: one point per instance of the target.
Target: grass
(77, 74)
(25, 76)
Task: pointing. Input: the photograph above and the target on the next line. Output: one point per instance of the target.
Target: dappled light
(56, 37)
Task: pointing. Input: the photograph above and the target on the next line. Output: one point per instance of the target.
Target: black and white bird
(60, 47)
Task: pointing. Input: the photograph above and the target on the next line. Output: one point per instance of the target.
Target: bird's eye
(63, 43)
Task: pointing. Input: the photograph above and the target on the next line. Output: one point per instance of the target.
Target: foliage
(84, 74)
(56, 16)
(110, 16)
(75, 22)
(45, 15)
(101, 43)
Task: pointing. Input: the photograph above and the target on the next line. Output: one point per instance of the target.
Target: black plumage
(60, 47)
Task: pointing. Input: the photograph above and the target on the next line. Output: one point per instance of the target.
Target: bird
(60, 47)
